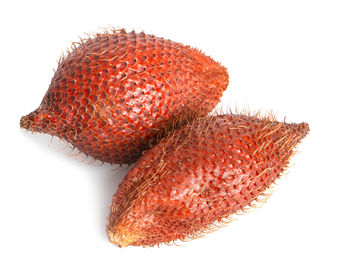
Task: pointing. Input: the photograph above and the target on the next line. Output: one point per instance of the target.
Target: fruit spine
(115, 93)
(198, 176)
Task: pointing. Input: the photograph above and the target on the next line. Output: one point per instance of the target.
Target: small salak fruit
(198, 176)
(115, 92)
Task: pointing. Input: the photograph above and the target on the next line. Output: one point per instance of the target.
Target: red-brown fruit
(198, 176)
(114, 93)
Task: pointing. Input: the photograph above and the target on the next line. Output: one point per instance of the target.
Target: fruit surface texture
(115, 92)
(198, 176)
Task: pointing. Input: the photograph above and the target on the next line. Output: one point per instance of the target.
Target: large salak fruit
(114, 93)
(200, 175)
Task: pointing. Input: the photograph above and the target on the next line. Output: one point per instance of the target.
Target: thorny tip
(26, 121)
(121, 241)
(303, 129)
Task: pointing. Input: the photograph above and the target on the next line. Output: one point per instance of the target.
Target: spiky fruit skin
(198, 176)
(114, 93)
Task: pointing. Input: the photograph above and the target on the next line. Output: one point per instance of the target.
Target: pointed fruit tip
(26, 122)
(122, 238)
(304, 128)
(115, 239)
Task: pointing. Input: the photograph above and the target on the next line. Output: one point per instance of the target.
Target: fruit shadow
(104, 177)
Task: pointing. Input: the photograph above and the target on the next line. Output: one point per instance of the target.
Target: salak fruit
(115, 92)
(198, 176)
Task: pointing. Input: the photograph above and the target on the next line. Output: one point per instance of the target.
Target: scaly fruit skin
(198, 176)
(113, 94)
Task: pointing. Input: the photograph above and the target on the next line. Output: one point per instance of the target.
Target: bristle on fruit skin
(198, 176)
(113, 94)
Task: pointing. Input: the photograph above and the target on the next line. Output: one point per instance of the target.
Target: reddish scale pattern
(113, 94)
(198, 175)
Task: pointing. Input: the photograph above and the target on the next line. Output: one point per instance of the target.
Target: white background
(291, 57)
